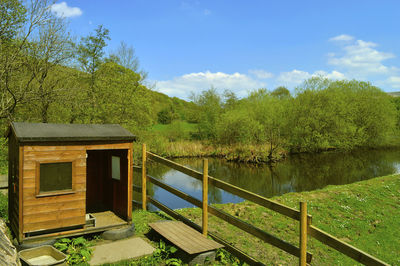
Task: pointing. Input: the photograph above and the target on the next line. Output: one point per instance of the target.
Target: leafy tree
(238, 126)
(49, 50)
(121, 97)
(281, 92)
(166, 115)
(339, 114)
(230, 100)
(91, 56)
(17, 24)
(210, 105)
(126, 57)
(12, 19)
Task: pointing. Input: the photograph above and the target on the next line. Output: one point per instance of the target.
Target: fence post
(205, 196)
(144, 196)
(303, 234)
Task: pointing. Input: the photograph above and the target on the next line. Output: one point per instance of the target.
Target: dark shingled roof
(41, 132)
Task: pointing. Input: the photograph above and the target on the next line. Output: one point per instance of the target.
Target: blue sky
(188, 46)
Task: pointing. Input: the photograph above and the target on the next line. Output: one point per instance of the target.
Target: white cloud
(293, 78)
(261, 74)
(183, 85)
(63, 10)
(335, 75)
(341, 38)
(394, 82)
(362, 59)
(296, 77)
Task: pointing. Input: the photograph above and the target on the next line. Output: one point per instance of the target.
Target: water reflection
(301, 172)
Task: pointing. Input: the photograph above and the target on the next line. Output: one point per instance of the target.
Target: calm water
(302, 172)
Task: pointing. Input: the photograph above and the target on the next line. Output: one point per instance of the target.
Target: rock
(8, 253)
(28, 245)
(197, 259)
(121, 233)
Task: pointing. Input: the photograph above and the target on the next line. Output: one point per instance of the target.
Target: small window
(55, 177)
(115, 166)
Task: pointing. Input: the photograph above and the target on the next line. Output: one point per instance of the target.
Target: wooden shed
(68, 179)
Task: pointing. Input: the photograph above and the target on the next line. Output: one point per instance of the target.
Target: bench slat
(185, 237)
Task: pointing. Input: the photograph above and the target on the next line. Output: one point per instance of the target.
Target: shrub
(3, 206)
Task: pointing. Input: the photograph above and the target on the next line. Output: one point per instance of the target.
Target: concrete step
(120, 250)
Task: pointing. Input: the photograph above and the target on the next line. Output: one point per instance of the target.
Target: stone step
(120, 250)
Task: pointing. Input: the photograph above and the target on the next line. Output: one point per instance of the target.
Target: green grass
(364, 214)
(3, 206)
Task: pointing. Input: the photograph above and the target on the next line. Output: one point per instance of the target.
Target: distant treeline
(321, 115)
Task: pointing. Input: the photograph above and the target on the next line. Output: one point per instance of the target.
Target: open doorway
(107, 186)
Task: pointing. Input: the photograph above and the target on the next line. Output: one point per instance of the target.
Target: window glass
(115, 165)
(55, 176)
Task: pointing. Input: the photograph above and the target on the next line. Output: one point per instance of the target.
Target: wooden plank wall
(51, 212)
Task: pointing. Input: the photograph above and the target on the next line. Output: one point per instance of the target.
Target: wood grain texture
(20, 193)
(185, 237)
(144, 174)
(130, 181)
(303, 234)
(47, 211)
(205, 197)
(43, 212)
(227, 246)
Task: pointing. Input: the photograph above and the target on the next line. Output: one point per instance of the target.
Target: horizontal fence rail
(248, 228)
(270, 204)
(306, 227)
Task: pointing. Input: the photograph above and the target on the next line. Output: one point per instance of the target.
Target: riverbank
(244, 153)
(364, 214)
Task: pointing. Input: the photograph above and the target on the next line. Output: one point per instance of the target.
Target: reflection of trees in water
(300, 172)
(303, 172)
(316, 171)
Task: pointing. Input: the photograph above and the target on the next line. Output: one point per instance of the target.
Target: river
(300, 172)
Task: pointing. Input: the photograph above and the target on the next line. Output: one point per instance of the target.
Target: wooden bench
(186, 238)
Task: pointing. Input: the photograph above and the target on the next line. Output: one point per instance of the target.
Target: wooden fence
(306, 227)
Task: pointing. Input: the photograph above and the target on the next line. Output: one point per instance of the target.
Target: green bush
(3, 156)
(77, 249)
(3, 206)
(238, 126)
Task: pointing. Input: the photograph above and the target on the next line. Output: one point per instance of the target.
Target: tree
(17, 23)
(281, 92)
(126, 57)
(12, 19)
(210, 105)
(121, 98)
(166, 115)
(48, 52)
(230, 100)
(329, 114)
(91, 56)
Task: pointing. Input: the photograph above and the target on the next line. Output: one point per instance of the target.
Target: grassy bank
(364, 214)
(247, 153)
